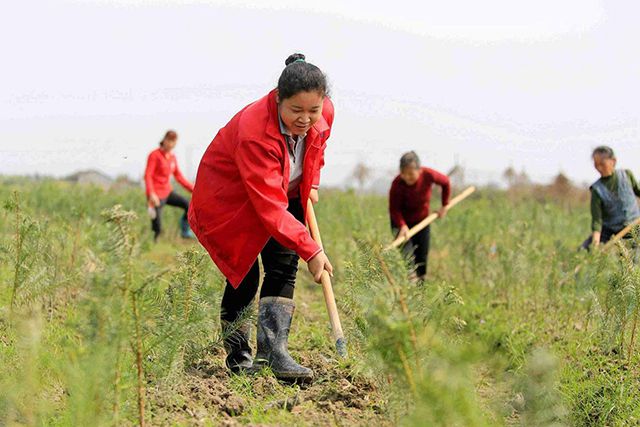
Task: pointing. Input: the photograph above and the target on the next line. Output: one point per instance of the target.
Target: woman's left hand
(313, 195)
(442, 212)
(319, 264)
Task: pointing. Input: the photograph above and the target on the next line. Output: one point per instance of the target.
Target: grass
(99, 326)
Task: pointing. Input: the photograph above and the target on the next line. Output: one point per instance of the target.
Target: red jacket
(409, 204)
(160, 167)
(240, 197)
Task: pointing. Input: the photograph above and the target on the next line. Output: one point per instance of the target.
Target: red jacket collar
(164, 155)
(273, 126)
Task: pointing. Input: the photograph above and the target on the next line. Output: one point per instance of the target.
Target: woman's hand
(442, 212)
(153, 198)
(404, 232)
(313, 195)
(318, 264)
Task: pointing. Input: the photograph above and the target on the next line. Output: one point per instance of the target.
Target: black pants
(605, 235)
(280, 268)
(417, 249)
(174, 199)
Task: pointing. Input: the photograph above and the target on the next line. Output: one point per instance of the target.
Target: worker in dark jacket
(613, 198)
(409, 203)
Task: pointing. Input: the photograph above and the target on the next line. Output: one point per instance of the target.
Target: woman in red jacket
(250, 199)
(409, 200)
(161, 164)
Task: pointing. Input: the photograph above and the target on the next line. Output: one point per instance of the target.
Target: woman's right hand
(318, 264)
(404, 232)
(153, 198)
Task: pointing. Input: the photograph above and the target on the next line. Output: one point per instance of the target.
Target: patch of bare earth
(206, 396)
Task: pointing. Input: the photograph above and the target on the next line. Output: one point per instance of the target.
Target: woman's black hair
(409, 159)
(605, 151)
(300, 76)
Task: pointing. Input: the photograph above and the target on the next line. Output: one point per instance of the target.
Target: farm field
(99, 326)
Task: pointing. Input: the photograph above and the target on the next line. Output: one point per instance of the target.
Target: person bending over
(161, 165)
(409, 203)
(613, 198)
(250, 199)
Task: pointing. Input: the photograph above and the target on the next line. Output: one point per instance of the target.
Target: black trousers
(417, 249)
(174, 199)
(605, 235)
(280, 269)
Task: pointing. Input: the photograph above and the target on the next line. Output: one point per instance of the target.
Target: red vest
(240, 195)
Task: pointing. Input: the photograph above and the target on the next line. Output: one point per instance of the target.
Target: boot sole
(239, 370)
(294, 378)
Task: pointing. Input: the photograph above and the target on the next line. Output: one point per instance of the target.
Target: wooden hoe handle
(621, 234)
(327, 289)
(428, 220)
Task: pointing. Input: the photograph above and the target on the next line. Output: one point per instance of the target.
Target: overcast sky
(493, 83)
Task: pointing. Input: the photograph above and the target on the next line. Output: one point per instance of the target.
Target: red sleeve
(181, 179)
(443, 181)
(315, 184)
(261, 173)
(328, 114)
(148, 173)
(395, 201)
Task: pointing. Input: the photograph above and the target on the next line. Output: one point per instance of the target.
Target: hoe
(327, 289)
(428, 220)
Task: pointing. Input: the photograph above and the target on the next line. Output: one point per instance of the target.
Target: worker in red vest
(250, 199)
(161, 165)
(409, 203)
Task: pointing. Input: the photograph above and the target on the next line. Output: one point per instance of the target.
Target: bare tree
(510, 176)
(523, 179)
(457, 176)
(362, 173)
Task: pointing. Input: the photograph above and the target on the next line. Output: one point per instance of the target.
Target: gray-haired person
(613, 198)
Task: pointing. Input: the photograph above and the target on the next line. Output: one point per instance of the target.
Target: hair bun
(293, 58)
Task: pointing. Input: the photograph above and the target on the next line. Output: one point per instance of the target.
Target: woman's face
(169, 144)
(603, 164)
(410, 175)
(300, 111)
